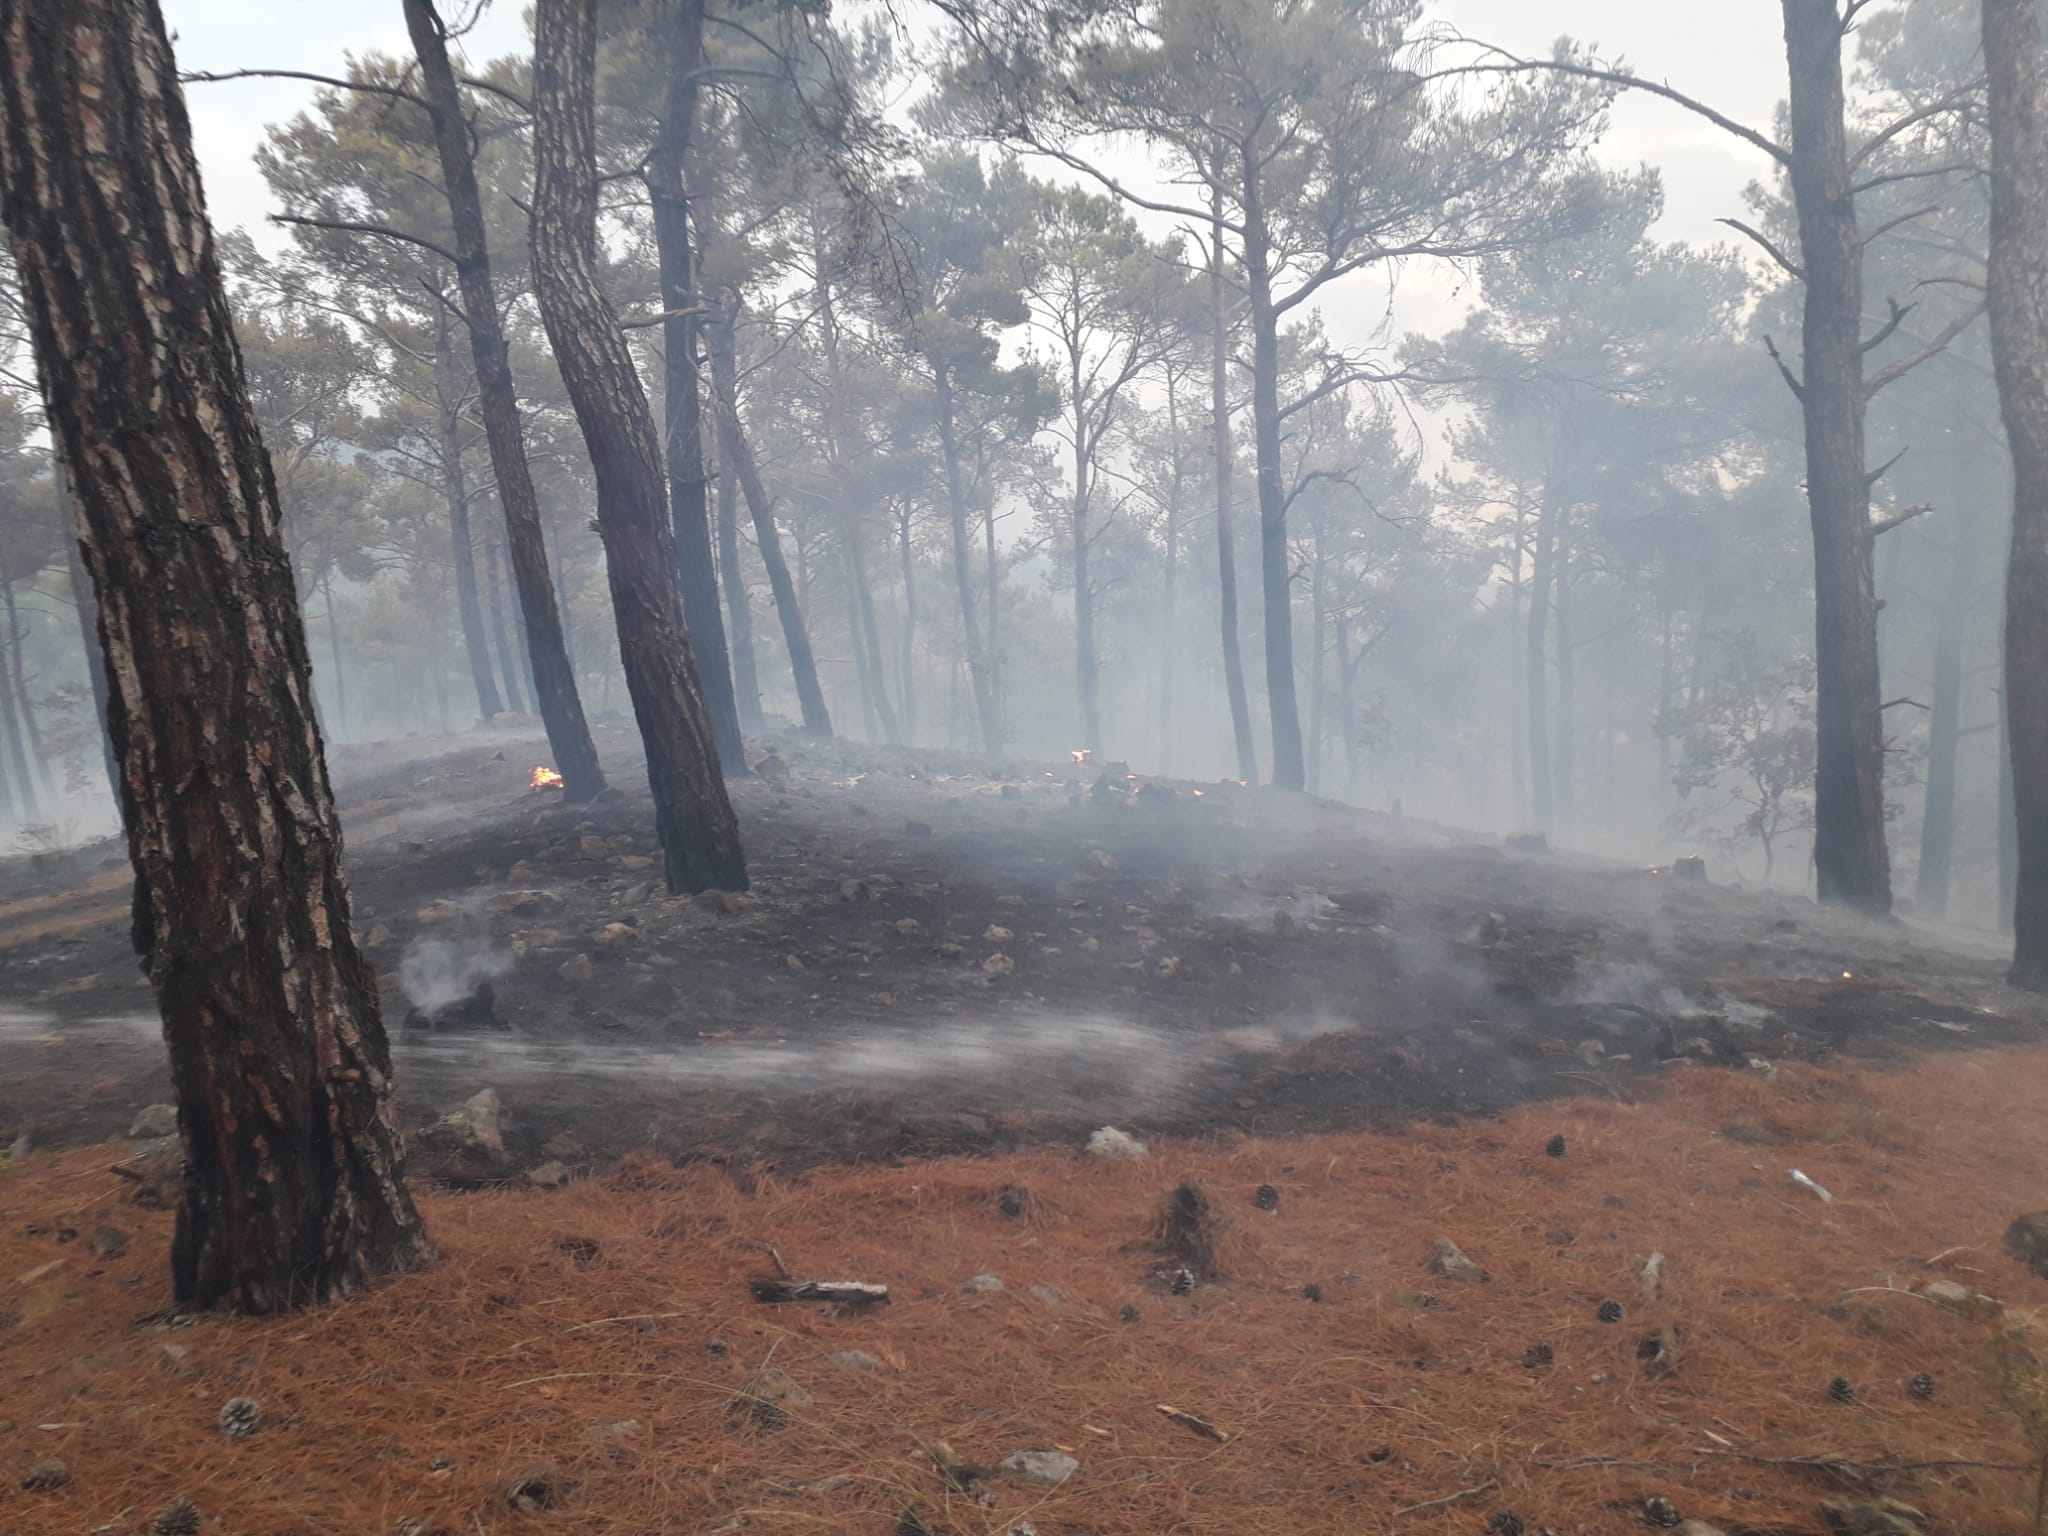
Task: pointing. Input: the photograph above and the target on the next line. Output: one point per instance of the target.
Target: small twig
(781, 1268)
(1189, 1422)
(1450, 1498)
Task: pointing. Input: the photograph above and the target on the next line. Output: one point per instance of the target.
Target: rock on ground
(1040, 1469)
(1451, 1262)
(156, 1121)
(1109, 1142)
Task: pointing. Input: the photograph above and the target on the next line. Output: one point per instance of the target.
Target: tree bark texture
(693, 817)
(1850, 857)
(541, 621)
(1944, 722)
(2017, 72)
(682, 400)
(501, 635)
(732, 579)
(293, 1185)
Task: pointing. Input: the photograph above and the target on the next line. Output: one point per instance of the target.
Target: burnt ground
(944, 954)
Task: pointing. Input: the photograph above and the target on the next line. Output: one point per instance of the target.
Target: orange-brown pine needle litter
(594, 1354)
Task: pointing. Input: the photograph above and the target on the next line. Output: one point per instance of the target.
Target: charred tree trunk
(1226, 538)
(689, 501)
(978, 668)
(2017, 71)
(89, 628)
(1169, 641)
(733, 448)
(293, 1181)
(693, 818)
(1087, 664)
(17, 652)
(462, 543)
(541, 621)
(1319, 619)
(908, 658)
(1275, 576)
(746, 673)
(14, 737)
(1565, 782)
(1850, 858)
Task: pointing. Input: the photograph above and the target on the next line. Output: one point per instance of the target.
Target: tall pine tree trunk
(501, 636)
(1850, 857)
(732, 579)
(689, 500)
(2017, 74)
(1944, 721)
(1536, 661)
(907, 654)
(1274, 571)
(541, 621)
(1226, 537)
(476, 649)
(789, 612)
(1087, 663)
(978, 661)
(293, 1180)
(693, 817)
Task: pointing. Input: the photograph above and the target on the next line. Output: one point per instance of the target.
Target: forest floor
(1382, 1020)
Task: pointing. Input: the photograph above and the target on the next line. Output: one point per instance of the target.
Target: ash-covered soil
(941, 953)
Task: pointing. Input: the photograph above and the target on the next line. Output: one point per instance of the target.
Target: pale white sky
(1730, 54)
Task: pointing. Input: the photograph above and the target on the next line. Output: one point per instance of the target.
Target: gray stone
(1040, 1469)
(854, 1360)
(46, 1477)
(156, 1121)
(771, 1384)
(109, 1242)
(983, 1285)
(175, 1359)
(551, 1174)
(1047, 1295)
(477, 1126)
(613, 1429)
(1875, 1517)
(1447, 1259)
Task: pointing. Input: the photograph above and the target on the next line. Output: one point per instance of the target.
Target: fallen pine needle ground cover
(593, 1360)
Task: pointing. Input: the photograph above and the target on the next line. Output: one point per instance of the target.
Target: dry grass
(555, 1317)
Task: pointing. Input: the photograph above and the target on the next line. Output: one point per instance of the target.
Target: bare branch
(666, 315)
(1769, 245)
(1791, 379)
(1918, 115)
(1899, 519)
(1960, 168)
(1871, 477)
(1906, 365)
(371, 87)
(346, 226)
(1893, 223)
(1899, 313)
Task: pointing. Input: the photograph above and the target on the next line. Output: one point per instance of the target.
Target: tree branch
(345, 226)
(1899, 519)
(1791, 379)
(1906, 365)
(1899, 313)
(1871, 477)
(1893, 223)
(1769, 245)
(1919, 114)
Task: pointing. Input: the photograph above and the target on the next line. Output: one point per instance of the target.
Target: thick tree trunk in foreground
(88, 629)
(2017, 72)
(554, 674)
(689, 498)
(501, 635)
(978, 662)
(469, 611)
(789, 612)
(293, 1182)
(1226, 538)
(699, 834)
(1849, 852)
(1087, 664)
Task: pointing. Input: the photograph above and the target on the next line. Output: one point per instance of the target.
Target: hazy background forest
(1549, 563)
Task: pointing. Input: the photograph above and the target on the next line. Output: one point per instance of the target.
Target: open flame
(546, 778)
(1082, 755)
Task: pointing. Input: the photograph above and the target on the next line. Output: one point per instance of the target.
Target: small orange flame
(546, 778)
(1082, 755)
(1848, 976)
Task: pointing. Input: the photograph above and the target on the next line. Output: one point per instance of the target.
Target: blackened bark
(1087, 665)
(1850, 857)
(689, 499)
(1565, 777)
(1226, 537)
(13, 734)
(746, 672)
(733, 448)
(461, 542)
(907, 655)
(978, 664)
(1169, 640)
(541, 621)
(1275, 574)
(699, 835)
(293, 1181)
(2017, 73)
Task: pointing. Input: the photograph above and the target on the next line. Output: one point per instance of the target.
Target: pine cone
(1610, 1312)
(180, 1517)
(1182, 1282)
(1554, 1147)
(240, 1417)
(1266, 1198)
(1841, 1391)
(1920, 1388)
